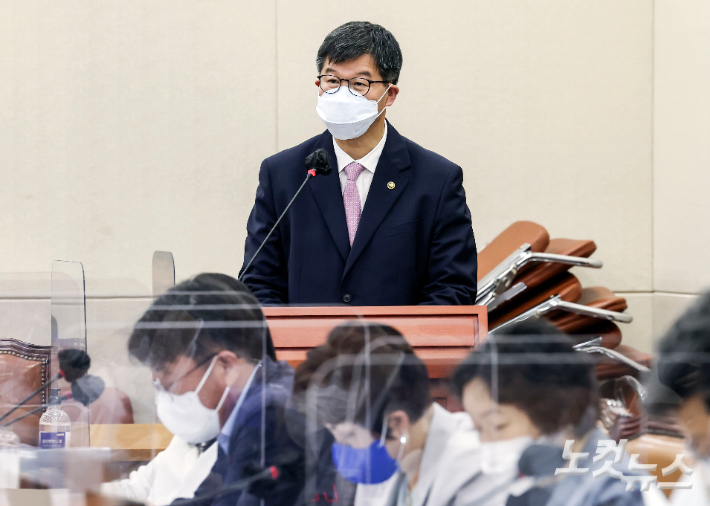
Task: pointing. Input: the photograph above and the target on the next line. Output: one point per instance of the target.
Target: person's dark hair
(398, 379)
(684, 352)
(537, 370)
(199, 317)
(356, 38)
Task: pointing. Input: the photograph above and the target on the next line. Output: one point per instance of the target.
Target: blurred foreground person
(216, 378)
(684, 368)
(531, 385)
(175, 472)
(372, 392)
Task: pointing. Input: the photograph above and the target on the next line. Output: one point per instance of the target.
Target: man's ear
(398, 423)
(392, 95)
(228, 364)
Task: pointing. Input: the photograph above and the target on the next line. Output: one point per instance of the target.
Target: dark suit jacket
(414, 243)
(245, 444)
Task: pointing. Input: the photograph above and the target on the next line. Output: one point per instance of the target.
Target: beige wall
(681, 156)
(131, 126)
(546, 105)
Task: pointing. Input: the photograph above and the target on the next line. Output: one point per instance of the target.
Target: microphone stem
(39, 408)
(237, 485)
(23, 401)
(241, 275)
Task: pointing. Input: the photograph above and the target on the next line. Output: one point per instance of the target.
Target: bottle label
(52, 440)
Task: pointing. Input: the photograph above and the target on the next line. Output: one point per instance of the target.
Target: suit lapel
(381, 198)
(328, 196)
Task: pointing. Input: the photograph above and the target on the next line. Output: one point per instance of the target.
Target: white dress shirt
(175, 473)
(226, 433)
(369, 161)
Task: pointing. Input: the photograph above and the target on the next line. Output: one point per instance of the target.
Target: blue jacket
(414, 243)
(245, 443)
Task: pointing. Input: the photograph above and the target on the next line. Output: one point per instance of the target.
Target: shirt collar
(226, 432)
(369, 161)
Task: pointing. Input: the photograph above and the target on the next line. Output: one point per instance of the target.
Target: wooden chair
(508, 241)
(565, 285)
(538, 273)
(24, 368)
(597, 297)
(524, 268)
(608, 331)
(613, 369)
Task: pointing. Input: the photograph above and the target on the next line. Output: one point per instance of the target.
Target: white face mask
(503, 455)
(348, 115)
(184, 415)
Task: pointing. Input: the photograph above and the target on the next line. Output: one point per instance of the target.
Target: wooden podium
(440, 335)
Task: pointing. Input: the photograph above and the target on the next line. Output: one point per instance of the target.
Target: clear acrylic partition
(24, 352)
(68, 331)
(344, 411)
(163, 272)
(42, 313)
(202, 321)
(295, 433)
(536, 402)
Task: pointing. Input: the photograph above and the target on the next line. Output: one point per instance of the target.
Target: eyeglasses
(357, 85)
(159, 386)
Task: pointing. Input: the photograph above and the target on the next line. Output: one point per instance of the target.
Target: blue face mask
(354, 464)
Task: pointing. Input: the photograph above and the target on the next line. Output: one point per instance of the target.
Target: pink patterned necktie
(351, 199)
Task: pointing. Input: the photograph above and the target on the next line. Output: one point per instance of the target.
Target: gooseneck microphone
(269, 473)
(85, 388)
(317, 163)
(73, 365)
(258, 480)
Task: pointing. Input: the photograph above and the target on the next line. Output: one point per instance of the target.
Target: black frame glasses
(159, 386)
(356, 80)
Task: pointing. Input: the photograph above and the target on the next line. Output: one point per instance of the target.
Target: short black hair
(201, 316)
(356, 38)
(684, 352)
(399, 380)
(539, 372)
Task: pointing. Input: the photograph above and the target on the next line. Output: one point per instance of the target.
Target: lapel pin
(390, 185)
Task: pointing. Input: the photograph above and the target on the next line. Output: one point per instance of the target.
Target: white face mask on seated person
(347, 114)
(502, 456)
(184, 415)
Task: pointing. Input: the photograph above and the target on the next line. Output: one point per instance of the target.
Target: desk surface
(55, 497)
(138, 441)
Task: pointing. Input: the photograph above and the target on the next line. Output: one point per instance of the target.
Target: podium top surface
(422, 326)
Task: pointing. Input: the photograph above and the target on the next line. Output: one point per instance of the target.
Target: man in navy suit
(218, 382)
(390, 226)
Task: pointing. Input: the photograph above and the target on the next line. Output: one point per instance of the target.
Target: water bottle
(54, 426)
(9, 458)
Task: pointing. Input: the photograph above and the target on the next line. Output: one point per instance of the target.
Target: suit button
(347, 298)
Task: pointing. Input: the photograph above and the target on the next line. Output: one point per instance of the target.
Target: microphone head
(319, 161)
(87, 389)
(73, 363)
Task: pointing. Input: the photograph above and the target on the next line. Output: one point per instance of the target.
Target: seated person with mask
(391, 438)
(532, 384)
(684, 368)
(216, 377)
